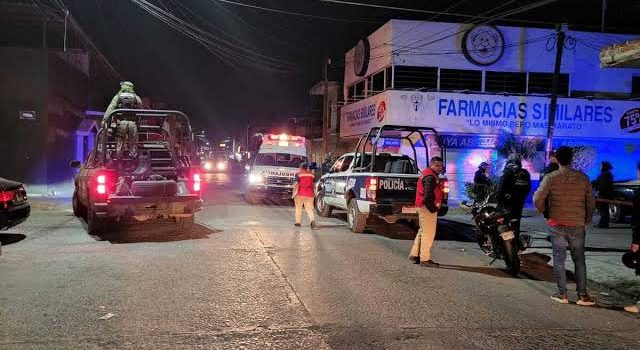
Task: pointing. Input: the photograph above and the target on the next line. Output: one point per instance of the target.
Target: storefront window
(541, 83)
(459, 79)
(505, 82)
(407, 77)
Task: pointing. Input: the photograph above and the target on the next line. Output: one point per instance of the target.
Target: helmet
(631, 260)
(126, 86)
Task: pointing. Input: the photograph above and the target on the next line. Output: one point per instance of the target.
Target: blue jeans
(574, 238)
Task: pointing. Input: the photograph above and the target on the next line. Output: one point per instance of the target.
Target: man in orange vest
(429, 197)
(303, 194)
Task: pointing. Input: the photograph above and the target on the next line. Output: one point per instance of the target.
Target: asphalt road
(246, 278)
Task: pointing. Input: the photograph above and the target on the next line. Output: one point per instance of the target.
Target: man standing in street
(571, 207)
(303, 194)
(429, 197)
(481, 182)
(604, 186)
(635, 241)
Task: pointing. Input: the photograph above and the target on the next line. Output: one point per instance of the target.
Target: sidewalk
(604, 251)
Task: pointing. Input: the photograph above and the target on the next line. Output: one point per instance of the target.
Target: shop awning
(625, 55)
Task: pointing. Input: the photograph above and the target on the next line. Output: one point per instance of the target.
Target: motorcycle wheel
(511, 258)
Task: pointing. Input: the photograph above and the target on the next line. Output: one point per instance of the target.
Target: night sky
(221, 93)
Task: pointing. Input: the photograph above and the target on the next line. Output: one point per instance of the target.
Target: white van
(274, 167)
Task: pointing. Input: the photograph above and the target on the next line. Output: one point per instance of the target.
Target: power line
(438, 13)
(296, 13)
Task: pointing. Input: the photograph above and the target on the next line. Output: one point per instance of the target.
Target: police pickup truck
(379, 179)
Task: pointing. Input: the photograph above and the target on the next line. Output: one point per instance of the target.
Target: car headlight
(221, 166)
(256, 179)
(208, 166)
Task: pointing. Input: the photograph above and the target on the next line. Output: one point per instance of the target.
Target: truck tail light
(101, 187)
(372, 187)
(445, 185)
(196, 182)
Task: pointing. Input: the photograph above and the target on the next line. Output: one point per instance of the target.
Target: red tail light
(6, 196)
(372, 187)
(372, 184)
(446, 186)
(102, 184)
(196, 182)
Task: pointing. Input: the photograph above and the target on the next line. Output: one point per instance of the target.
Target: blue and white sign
(489, 114)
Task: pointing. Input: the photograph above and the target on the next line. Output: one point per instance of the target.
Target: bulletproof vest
(127, 100)
(522, 184)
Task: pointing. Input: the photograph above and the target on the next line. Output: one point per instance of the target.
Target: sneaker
(429, 263)
(585, 300)
(296, 225)
(632, 308)
(561, 298)
(414, 259)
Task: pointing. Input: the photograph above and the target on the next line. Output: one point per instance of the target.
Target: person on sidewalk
(303, 194)
(571, 207)
(604, 185)
(635, 241)
(429, 197)
(481, 182)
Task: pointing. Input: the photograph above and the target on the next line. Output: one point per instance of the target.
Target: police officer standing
(303, 194)
(429, 195)
(513, 188)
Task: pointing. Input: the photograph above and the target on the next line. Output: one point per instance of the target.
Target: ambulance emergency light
(285, 140)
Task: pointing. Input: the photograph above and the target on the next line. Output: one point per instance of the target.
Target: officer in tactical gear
(513, 188)
(126, 130)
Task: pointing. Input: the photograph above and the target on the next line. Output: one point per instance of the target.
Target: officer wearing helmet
(126, 130)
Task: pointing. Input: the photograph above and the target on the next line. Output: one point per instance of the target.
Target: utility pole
(325, 109)
(560, 36)
(604, 11)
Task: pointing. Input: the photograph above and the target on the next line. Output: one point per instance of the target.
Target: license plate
(508, 235)
(409, 210)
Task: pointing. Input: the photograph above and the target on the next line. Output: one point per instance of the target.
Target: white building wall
(380, 56)
(438, 44)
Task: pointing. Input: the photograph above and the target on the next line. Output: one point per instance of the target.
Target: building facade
(476, 83)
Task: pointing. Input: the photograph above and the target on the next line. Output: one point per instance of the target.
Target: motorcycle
(497, 233)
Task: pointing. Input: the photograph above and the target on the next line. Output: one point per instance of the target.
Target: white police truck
(379, 179)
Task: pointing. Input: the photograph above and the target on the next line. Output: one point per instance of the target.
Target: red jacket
(430, 191)
(305, 181)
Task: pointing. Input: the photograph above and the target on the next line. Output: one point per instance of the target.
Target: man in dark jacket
(553, 165)
(481, 182)
(513, 188)
(635, 241)
(604, 185)
(429, 195)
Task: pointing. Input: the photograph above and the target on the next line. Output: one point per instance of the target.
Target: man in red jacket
(303, 194)
(429, 197)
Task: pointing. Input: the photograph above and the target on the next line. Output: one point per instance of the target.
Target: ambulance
(274, 167)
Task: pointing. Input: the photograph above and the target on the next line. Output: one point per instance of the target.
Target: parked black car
(14, 205)
(622, 192)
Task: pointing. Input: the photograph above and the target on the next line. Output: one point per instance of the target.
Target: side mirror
(75, 164)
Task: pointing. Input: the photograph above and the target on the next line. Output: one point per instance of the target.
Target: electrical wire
(286, 12)
(227, 51)
(437, 13)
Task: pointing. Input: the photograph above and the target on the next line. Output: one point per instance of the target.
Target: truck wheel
(356, 221)
(95, 224)
(78, 209)
(616, 213)
(251, 197)
(185, 224)
(322, 208)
